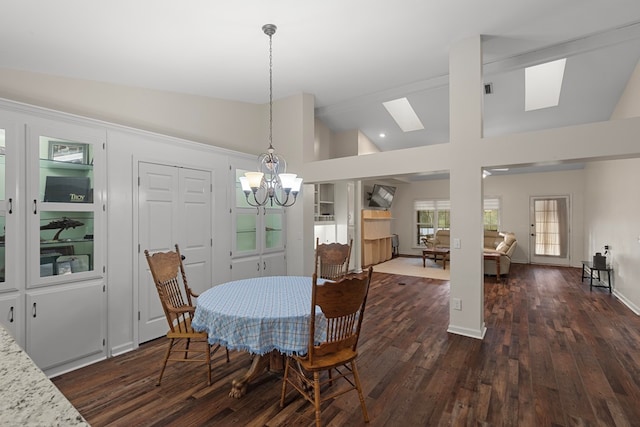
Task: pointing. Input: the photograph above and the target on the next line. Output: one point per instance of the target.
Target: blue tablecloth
(259, 315)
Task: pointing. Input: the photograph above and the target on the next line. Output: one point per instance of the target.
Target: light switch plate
(456, 243)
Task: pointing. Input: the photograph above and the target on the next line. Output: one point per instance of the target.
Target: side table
(496, 258)
(588, 270)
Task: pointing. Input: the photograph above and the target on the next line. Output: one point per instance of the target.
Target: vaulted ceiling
(352, 55)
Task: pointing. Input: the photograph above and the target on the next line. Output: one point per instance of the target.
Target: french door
(549, 235)
(174, 206)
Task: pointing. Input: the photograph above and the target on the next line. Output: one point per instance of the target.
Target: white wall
(322, 141)
(612, 206)
(612, 219)
(402, 209)
(124, 150)
(514, 192)
(365, 146)
(228, 124)
(344, 144)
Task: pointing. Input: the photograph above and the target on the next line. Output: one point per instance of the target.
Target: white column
(465, 86)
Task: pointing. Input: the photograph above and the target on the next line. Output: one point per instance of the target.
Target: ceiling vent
(488, 88)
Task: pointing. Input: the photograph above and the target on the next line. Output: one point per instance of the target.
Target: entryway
(549, 235)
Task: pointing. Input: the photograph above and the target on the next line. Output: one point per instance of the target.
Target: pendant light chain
(271, 91)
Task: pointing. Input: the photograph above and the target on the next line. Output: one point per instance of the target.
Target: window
(430, 216)
(491, 214)
(433, 215)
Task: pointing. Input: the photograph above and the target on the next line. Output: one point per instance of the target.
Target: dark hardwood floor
(555, 354)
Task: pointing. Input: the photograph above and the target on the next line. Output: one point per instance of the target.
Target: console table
(588, 270)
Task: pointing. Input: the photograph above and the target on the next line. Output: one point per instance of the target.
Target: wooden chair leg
(186, 348)
(284, 382)
(356, 378)
(164, 364)
(316, 396)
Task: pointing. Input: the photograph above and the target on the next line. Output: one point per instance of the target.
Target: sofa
(503, 243)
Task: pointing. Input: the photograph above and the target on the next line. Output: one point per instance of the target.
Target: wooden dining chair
(332, 259)
(342, 303)
(168, 271)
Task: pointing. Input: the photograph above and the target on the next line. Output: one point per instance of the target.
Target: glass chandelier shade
(270, 184)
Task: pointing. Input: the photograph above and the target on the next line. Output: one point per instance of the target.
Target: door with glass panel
(549, 235)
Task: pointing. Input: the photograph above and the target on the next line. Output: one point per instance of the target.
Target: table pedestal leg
(258, 366)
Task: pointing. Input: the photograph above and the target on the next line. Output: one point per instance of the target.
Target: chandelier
(270, 184)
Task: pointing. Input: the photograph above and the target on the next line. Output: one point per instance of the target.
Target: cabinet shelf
(53, 164)
(57, 242)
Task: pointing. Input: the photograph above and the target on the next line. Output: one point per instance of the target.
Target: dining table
(265, 316)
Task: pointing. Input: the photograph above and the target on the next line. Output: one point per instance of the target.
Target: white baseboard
(627, 302)
(471, 333)
(121, 349)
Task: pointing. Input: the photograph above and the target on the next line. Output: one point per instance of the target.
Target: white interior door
(174, 206)
(549, 235)
(194, 224)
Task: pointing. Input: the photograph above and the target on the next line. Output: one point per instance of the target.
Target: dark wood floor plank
(555, 354)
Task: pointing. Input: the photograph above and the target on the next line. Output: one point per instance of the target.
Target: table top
(259, 314)
(492, 255)
(591, 266)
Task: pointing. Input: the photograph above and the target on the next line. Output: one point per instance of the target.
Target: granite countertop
(27, 397)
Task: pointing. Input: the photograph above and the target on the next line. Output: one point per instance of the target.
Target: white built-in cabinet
(258, 234)
(12, 311)
(52, 284)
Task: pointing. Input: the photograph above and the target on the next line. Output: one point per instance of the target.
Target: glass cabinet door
(247, 232)
(256, 229)
(11, 276)
(273, 229)
(66, 206)
(3, 209)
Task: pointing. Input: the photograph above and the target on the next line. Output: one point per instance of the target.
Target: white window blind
(432, 205)
(491, 203)
(445, 205)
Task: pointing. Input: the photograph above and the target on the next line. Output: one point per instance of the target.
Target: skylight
(542, 84)
(403, 114)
